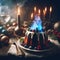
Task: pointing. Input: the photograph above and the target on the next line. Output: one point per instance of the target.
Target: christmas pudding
(36, 38)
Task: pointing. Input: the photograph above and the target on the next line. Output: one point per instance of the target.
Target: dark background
(29, 4)
(43, 3)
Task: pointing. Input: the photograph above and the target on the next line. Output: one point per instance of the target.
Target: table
(14, 49)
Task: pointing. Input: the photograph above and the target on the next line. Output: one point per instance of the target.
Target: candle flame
(50, 9)
(45, 9)
(39, 11)
(18, 13)
(31, 15)
(44, 12)
(34, 9)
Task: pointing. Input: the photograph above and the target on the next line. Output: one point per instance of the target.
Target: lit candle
(31, 15)
(35, 9)
(18, 15)
(44, 12)
(39, 12)
(45, 9)
(50, 13)
(18, 30)
(50, 9)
